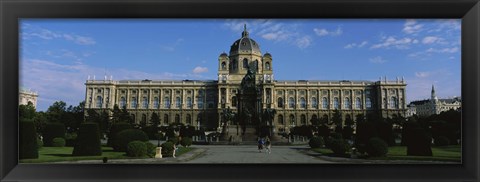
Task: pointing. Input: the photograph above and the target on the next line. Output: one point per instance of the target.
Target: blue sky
(57, 55)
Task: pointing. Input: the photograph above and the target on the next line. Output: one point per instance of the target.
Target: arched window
(314, 102)
(280, 119)
(291, 102)
(134, 119)
(200, 102)
(303, 104)
(155, 102)
(234, 101)
(178, 102)
(145, 103)
(165, 119)
(280, 102)
(189, 119)
(347, 104)
(368, 103)
(292, 120)
(224, 66)
(189, 102)
(324, 103)
(303, 119)
(335, 103)
(314, 118)
(177, 118)
(358, 103)
(256, 65)
(144, 119)
(123, 102)
(325, 118)
(267, 66)
(393, 103)
(245, 63)
(166, 100)
(234, 64)
(99, 101)
(134, 102)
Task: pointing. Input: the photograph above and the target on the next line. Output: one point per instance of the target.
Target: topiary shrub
(167, 149)
(174, 140)
(151, 149)
(70, 139)
(88, 141)
(316, 142)
(339, 146)
(152, 132)
(419, 143)
(442, 141)
(136, 149)
(51, 131)
(376, 147)
(28, 148)
(126, 136)
(114, 130)
(186, 141)
(58, 142)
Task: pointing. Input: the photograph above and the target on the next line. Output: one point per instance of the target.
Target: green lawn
(57, 154)
(450, 153)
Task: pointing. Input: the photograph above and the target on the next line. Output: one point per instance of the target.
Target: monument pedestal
(158, 153)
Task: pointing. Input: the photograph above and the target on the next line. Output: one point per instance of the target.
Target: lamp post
(158, 138)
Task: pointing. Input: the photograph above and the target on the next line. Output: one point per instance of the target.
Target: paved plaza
(250, 154)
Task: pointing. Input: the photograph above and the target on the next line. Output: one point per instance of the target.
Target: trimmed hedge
(151, 149)
(88, 141)
(51, 131)
(442, 141)
(58, 142)
(186, 141)
(136, 149)
(126, 136)
(28, 148)
(376, 147)
(339, 146)
(316, 142)
(167, 149)
(114, 130)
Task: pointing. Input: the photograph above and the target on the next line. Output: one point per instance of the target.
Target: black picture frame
(11, 11)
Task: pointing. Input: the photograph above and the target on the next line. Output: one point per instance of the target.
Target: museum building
(200, 103)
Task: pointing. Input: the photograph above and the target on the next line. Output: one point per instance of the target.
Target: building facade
(200, 102)
(25, 96)
(425, 108)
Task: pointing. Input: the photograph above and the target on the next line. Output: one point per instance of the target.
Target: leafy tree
(26, 111)
(154, 120)
(92, 116)
(40, 120)
(74, 116)
(56, 112)
(337, 120)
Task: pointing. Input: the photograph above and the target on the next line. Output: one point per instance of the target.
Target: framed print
(241, 91)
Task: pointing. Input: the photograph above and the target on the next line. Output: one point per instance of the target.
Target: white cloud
(422, 74)
(444, 50)
(392, 42)
(271, 30)
(324, 32)
(432, 40)
(411, 27)
(199, 69)
(173, 46)
(353, 45)
(304, 42)
(377, 60)
(29, 32)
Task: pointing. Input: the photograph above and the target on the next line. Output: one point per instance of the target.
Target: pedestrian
(261, 142)
(268, 146)
(174, 150)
